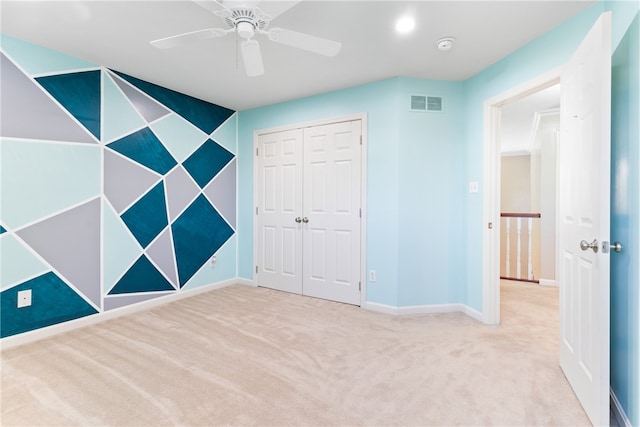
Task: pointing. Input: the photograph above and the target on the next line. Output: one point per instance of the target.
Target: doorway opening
(492, 209)
(529, 134)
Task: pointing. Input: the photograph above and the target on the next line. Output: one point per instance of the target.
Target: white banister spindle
(518, 248)
(529, 257)
(521, 259)
(508, 248)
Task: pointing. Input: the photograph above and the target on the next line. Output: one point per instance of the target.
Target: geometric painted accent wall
(114, 190)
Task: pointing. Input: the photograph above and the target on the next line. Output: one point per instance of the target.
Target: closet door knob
(298, 220)
(305, 220)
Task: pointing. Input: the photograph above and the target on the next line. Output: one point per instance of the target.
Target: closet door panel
(331, 261)
(279, 194)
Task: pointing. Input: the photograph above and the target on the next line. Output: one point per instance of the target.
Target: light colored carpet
(253, 356)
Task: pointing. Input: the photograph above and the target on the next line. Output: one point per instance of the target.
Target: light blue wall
(625, 221)
(380, 101)
(431, 196)
(415, 185)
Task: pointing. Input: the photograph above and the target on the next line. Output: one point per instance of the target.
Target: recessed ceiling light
(405, 24)
(445, 43)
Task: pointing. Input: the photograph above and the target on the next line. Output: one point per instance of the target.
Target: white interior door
(331, 261)
(585, 148)
(279, 210)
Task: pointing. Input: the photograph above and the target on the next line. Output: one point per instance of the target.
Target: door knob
(298, 220)
(584, 245)
(616, 247)
(305, 220)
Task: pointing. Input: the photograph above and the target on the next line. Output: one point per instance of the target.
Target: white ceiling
(116, 34)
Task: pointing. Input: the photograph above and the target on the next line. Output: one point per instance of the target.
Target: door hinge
(256, 210)
(360, 213)
(256, 269)
(359, 286)
(256, 152)
(360, 139)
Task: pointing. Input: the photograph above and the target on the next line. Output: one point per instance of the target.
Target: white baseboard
(424, 309)
(548, 282)
(59, 328)
(381, 308)
(618, 412)
(474, 314)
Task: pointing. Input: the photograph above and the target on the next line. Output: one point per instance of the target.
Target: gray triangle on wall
(125, 180)
(149, 108)
(70, 243)
(162, 254)
(221, 192)
(26, 111)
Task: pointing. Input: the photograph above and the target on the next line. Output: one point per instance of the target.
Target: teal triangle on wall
(145, 148)
(79, 93)
(203, 114)
(197, 234)
(148, 216)
(142, 277)
(52, 302)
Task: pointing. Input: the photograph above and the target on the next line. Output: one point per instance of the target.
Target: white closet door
(279, 193)
(332, 181)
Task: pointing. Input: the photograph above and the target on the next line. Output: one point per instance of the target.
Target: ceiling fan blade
(252, 58)
(210, 5)
(242, 4)
(276, 8)
(179, 39)
(305, 41)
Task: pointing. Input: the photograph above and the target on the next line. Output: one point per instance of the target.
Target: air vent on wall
(426, 103)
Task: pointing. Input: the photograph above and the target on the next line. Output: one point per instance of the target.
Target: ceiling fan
(246, 20)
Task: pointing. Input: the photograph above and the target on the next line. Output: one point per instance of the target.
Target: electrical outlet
(212, 263)
(24, 298)
(473, 187)
(372, 275)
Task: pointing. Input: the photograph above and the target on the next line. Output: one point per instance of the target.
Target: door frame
(363, 187)
(491, 195)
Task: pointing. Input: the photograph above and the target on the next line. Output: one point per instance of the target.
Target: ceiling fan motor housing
(245, 21)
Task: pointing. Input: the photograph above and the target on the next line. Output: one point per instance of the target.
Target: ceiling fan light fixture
(246, 30)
